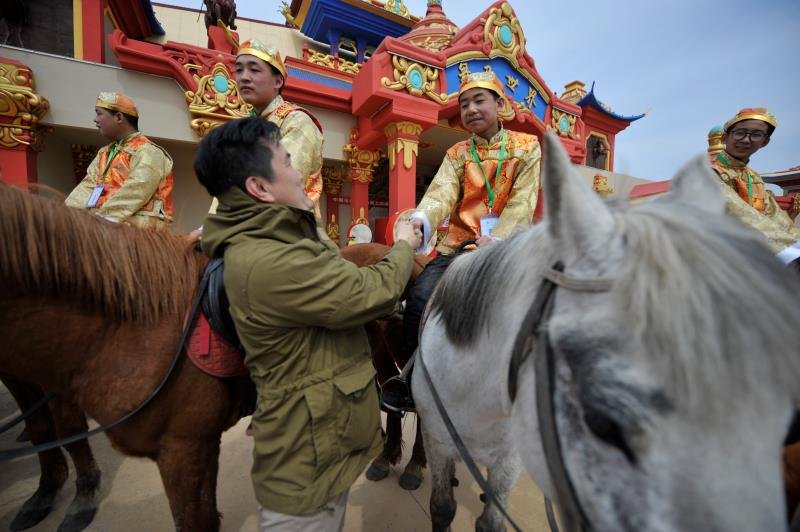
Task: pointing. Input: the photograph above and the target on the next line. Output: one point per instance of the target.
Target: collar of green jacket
(240, 217)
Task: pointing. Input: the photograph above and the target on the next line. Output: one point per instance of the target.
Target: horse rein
(534, 337)
(10, 454)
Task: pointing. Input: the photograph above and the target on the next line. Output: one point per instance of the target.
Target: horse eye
(609, 431)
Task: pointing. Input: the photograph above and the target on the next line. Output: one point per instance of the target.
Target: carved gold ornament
(503, 30)
(564, 124)
(333, 229)
(21, 108)
(416, 78)
(397, 7)
(361, 163)
(601, 186)
(216, 100)
(403, 138)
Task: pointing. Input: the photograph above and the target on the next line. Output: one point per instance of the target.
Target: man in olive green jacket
(299, 310)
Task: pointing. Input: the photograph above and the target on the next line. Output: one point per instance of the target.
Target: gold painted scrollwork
(403, 137)
(398, 8)
(21, 108)
(210, 106)
(361, 163)
(503, 29)
(563, 123)
(416, 78)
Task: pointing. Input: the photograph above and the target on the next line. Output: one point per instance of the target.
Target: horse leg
(412, 475)
(52, 464)
(443, 503)
(501, 478)
(392, 449)
(189, 472)
(70, 420)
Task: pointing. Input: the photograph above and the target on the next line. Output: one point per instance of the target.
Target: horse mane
(680, 264)
(682, 258)
(125, 273)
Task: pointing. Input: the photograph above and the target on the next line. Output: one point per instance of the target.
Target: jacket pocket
(358, 418)
(319, 399)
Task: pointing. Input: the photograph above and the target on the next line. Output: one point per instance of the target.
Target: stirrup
(399, 394)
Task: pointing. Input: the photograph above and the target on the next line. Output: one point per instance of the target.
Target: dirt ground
(132, 497)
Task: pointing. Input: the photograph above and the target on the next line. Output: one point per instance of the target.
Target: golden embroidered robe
(755, 207)
(137, 186)
(459, 188)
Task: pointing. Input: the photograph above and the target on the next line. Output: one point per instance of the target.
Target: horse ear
(576, 215)
(697, 185)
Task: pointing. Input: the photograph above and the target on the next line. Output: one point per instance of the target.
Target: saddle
(213, 344)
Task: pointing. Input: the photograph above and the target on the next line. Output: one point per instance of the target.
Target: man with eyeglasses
(745, 195)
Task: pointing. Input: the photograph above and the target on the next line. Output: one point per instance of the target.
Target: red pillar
(402, 145)
(332, 185)
(361, 164)
(18, 166)
(20, 131)
(89, 30)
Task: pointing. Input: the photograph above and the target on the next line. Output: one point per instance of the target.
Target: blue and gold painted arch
(526, 92)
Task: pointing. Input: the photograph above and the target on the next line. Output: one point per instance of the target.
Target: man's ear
(259, 188)
(766, 140)
(279, 86)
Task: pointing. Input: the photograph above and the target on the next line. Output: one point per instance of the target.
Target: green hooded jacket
(299, 310)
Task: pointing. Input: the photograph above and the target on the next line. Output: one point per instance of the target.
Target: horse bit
(533, 336)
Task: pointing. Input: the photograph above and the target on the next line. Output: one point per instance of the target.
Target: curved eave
(590, 100)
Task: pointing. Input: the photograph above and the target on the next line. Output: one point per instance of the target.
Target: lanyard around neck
(489, 191)
(112, 152)
(724, 160)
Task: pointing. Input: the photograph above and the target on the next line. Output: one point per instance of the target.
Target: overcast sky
(690, 64)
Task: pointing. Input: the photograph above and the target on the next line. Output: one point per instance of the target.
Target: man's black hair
(234, 151)
(132, 120)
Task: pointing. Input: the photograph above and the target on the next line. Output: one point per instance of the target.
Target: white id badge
(488, 221)
(97, 191)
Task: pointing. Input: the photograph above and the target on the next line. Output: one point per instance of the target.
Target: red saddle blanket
(212, 353)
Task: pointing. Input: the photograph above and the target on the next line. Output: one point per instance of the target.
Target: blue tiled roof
(592, 101)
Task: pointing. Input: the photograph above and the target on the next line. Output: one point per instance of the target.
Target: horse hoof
(410, 481)
(454, 482)
(378, 470)
(77, 521)
(29, 518)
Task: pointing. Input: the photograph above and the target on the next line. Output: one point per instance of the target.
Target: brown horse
(95, 310)
(385, 336)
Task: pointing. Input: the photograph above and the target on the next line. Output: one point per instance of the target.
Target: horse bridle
(534, 337)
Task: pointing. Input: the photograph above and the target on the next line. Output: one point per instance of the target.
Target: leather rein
(533, 337)
(10, 454)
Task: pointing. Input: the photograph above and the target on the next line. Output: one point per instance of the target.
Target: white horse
(675, 368)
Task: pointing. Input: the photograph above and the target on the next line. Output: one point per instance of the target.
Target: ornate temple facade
(381, 81)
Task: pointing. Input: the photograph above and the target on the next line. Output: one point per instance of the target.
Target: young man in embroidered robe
(745, 195)
(487, 184)
(130, 180)
(260, 76)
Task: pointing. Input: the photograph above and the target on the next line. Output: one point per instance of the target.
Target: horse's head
(673, 389)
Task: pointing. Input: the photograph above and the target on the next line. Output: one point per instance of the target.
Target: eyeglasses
(755, 136)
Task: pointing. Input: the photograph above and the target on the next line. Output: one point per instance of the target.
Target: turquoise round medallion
(220, 83)
(415, 79)
(506, 35)
(563, 124)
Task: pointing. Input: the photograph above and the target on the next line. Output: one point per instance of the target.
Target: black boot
(396, 396)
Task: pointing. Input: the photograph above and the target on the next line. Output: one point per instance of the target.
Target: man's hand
(411, 234)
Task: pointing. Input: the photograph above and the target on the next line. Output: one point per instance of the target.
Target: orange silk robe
(759, 211)
(137, 186)
(459, 189)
